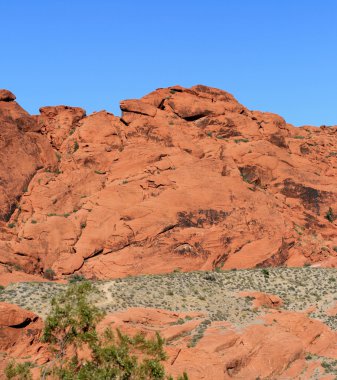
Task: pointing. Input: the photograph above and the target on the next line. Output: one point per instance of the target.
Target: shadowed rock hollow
(186, 178)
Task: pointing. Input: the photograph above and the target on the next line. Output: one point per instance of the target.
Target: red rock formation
(263, 299)
(20, 332)
(186, 178)
(6, 96)
(276, 346)
(59, 122)
(22, 153)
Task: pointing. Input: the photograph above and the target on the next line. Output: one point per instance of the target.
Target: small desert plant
(76, 146)
(19, 371)
(76, 278)
(265, 273)
(330, 216)
(49, 274)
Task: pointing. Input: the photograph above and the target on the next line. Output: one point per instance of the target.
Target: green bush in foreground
(71, 325)
(18, 371)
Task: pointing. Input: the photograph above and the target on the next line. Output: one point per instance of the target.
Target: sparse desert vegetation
(214, 293)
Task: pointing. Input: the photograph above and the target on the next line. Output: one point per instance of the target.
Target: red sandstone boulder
(263, 299)
(13, 316)
(18, 327)
(138, 106)
(6, 96)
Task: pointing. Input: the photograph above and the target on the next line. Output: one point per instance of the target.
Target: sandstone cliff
(186, 178)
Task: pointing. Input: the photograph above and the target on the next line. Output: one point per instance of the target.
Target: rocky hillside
(186, 179)
(245, 324)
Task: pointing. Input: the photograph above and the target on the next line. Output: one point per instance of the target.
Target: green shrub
(19, 371)
(113, 355)
(330, 216)
(49, 274)
(265, 273)
(76, 146)
(76, 278)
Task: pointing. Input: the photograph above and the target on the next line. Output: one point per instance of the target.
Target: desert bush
(18, 370)
(265, 273)
(76, 146)
(330, 216)
(71, 325)
(49, 274)
(76, 278)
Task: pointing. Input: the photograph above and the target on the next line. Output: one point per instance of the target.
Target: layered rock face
(185, 179)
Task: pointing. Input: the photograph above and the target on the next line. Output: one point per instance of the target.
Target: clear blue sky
(273, 55)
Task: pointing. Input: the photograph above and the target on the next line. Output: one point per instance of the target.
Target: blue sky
(272, 55)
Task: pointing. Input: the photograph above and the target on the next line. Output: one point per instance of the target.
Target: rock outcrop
(20, 332)
(185, 179)
(22, 153)
(282, 344)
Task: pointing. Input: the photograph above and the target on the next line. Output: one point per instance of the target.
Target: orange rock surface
(274, 348)
(20, 332)
(263, 299)
(186, 178)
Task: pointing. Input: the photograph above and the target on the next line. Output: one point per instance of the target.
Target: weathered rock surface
(59, 122)
(22, 153)
(186, 178)
(6, 96)
(20, 332)
(283, 344)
